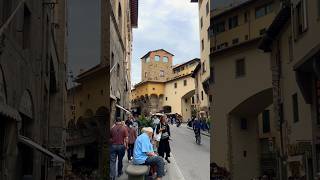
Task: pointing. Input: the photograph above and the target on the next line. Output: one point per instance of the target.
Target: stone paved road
(193, 160)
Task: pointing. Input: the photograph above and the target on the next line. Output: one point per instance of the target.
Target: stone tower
(157, 66)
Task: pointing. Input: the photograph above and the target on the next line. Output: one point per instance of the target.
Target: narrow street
(193, 160)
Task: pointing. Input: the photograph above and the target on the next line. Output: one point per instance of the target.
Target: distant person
(164, 145)
(197, 127)
(143, 153)
(131, 140)
(119, 144)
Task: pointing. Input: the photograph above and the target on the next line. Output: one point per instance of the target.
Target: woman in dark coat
(164, 146)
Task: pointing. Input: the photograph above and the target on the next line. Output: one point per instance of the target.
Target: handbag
(157, 137)
(164, 135)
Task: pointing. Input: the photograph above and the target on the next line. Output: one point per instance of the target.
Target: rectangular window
(235, 41)
(246, 16)
(262, 31)
(202, 45)
(202, 95)
(148, 59)
(161, 73)
(185, 82)
(145, 74)
(192, 99)
(295, 108)
(266, 121)
(219, 27)
(290, 45)
(240, 68)
(243, 124)
(204, 67)
(300, 17)
(166, 98)
(207, 8)
(175, 85)
(233, 22)
(26, 28)
(201, 23)
(264, 10)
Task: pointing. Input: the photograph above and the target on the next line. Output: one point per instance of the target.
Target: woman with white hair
(143, 153)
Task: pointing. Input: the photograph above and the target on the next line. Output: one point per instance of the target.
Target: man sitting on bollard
(143, 153)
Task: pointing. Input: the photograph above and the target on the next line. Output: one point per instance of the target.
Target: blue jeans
(116, 151)
(158, 161)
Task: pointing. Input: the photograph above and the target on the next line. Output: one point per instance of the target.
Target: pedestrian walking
(132, 138)
(143, 153)
(119, 144)
(164, 145)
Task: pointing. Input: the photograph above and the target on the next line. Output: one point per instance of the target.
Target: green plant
(145, 122)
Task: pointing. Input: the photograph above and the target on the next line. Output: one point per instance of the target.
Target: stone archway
(243, 139)
(186, 105)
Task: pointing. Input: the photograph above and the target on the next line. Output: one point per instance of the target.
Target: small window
(295, 108)
(262, 31)
(207, 8)
(153, 88)
(204, 69)
(240, 68)
(161, 73)
(166, 98)
(233, 22)
(185, 82)
(202, 95)
(148, 59)
(243, 124)
(266, 121)
(202, 45)
(219, 27)
(186, 100)
(157, 58)
(235, 41)
(201, 23)
(246, 16)
(112, 59)
(145, 74)
(165, 59)
(210, 98)
(175, 85)
(192, 99)
(264, 10)
(300, 16)
(118, 70)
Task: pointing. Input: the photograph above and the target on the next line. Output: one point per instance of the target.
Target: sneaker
(168, 160)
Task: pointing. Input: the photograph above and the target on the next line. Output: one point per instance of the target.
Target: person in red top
(119, 144)
(132, 139)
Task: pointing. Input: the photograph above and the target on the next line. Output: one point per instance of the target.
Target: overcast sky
(166, 24)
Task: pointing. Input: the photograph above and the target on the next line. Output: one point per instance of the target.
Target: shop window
(240, 68)
(295, 108)
(266, 121)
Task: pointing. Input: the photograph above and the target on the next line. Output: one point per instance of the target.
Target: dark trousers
(158, 162)
(116, 152)
(130, 151)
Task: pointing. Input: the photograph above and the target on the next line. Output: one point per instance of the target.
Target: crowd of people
(144, 145)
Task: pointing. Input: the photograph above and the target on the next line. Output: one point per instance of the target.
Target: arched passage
(244, 140)
(186, 105)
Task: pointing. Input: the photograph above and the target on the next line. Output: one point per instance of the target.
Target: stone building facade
(164, 87)
(32, 89)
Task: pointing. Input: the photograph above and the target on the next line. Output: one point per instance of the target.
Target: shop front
(300, 161)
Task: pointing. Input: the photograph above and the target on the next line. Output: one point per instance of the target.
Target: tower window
(157, 58)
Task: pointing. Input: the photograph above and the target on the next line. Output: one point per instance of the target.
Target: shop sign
(299, 148)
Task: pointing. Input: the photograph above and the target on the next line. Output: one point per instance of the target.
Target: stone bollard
(137, 172)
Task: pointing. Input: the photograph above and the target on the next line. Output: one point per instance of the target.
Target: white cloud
(169, 24)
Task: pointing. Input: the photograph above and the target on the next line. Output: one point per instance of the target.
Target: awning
(126, 110)
(9, 112)
(38, 147)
